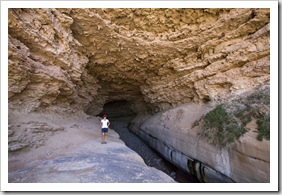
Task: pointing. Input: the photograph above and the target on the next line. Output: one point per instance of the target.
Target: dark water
(150, 157)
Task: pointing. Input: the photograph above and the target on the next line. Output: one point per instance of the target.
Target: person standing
(105, 123)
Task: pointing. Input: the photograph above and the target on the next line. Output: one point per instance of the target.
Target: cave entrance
(118, 109)
(120, 114)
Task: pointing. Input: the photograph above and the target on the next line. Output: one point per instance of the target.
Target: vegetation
(221, 128)
(227, 122)
(263, 127)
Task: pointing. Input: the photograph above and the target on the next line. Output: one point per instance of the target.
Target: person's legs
(104, 135)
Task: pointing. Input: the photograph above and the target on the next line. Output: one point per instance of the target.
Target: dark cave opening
(117, 109)
(120, 114)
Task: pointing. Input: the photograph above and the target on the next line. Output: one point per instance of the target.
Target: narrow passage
(120, 114)
(150, 157)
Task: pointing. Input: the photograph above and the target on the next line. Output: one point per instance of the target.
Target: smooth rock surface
(172, 134)
(76, 155)
(68, 62)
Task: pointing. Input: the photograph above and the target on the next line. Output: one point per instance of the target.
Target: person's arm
(109, 123)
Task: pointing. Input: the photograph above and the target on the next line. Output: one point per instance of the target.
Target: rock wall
(70, 61)
(79, 59)
(173, 135)
(46, 68)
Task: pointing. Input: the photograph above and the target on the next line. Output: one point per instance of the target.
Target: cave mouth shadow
(120, 115)
(117, 109)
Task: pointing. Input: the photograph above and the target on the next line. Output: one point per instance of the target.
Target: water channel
(120, 116)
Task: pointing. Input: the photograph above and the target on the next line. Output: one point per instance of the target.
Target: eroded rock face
(70, 61)
(79, 59)
(30, 134)
(45, 65)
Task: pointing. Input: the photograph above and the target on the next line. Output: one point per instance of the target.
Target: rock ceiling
(63, 60)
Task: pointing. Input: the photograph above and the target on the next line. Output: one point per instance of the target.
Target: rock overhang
(154, 58)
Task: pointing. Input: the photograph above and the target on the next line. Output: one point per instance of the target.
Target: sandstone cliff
(70, 61)
(73, 59)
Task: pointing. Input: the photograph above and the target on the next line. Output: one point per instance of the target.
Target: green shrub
(264, 127)
(243, 116)
(221, 128)
(216, 117)
(227, 122)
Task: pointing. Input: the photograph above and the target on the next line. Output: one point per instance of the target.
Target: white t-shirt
(104, 123)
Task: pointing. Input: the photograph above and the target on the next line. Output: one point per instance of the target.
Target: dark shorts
(104, 130)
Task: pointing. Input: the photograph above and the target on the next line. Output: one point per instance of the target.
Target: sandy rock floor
(77, 155)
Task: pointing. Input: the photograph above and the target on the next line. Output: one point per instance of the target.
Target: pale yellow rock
(69, 61)
(166, 56)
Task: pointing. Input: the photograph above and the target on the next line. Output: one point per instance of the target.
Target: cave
(161, 69)
(117, 109)
(120, 115)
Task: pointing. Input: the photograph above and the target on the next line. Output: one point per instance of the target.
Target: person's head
(105, 116)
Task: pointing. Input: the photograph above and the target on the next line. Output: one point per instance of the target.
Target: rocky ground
(64, 62)
(75, 155)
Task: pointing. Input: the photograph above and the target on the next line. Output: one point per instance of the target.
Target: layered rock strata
(155, 58)
(70, 61)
